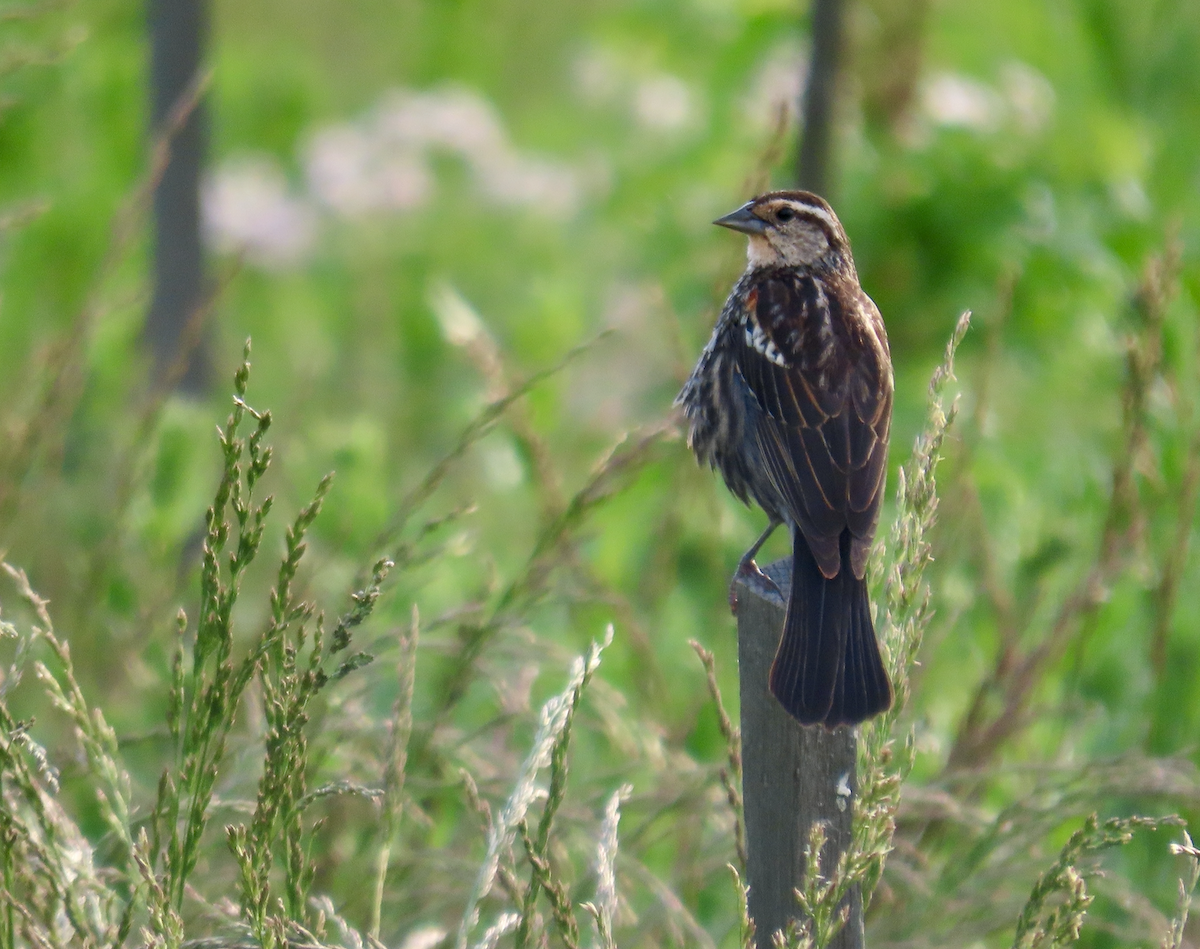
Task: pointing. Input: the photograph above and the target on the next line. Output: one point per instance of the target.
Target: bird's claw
(750, 575)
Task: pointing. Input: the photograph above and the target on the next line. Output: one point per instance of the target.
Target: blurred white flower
(424, 937)
(778, 87)
(381, 163)
(452, 118)
(659, 102)
(352, 171)
(378, 165)
(955, 100)
(501, 465)
(598, 75)
(1024, 102)
(1130, 197)
(247, 208)
(549, 188)
(334, 161)
(663, 103)
(1030, 95)
(459, 321)
(1041, 212)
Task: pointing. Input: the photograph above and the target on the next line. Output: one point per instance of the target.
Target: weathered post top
(792, 776)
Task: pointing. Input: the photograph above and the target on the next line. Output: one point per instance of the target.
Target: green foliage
(1039, 925)
(491, 377)
(1174, 938)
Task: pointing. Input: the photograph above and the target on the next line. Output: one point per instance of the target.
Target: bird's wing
(823, 381)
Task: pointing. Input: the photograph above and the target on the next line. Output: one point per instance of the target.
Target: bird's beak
(744, 220)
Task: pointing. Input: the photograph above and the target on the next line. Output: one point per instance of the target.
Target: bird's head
(789, 229)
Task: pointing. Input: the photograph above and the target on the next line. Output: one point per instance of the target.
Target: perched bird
(792, 401)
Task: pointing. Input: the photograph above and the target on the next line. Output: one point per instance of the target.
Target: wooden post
(792, 776)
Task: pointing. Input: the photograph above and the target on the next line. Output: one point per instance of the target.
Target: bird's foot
(749, 574)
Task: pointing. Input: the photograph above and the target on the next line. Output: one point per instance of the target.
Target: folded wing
(822, 379)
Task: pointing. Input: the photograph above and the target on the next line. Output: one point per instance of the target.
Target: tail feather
(863, 689)
(808, 662)
(828, 669)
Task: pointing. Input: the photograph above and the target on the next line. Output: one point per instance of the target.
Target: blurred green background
(413, 205)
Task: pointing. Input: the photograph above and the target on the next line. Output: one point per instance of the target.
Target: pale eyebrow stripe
(811, 211)
(819, 213)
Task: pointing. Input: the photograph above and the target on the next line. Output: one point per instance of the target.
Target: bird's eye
(783, 215)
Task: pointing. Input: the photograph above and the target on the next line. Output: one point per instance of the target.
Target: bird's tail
(828, 669)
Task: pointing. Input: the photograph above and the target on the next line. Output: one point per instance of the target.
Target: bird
(791, 401)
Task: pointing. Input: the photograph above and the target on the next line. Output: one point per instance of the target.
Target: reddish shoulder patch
(752, 299)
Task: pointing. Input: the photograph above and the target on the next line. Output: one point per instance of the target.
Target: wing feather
(836, 433)
(826, 408)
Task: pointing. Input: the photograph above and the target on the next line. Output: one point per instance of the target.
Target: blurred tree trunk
(178, 31)
(820, 95)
